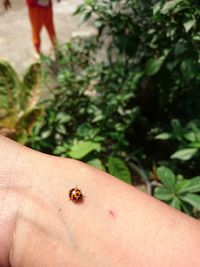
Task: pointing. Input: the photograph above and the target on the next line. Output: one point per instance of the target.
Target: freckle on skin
(60, 210)
(112, 214)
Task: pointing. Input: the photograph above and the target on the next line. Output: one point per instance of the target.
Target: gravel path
(15, 31)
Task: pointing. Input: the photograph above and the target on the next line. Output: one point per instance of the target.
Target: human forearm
(115, 226)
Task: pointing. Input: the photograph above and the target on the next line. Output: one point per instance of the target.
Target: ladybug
(75, 195)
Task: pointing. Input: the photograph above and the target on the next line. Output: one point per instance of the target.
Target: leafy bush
(84, 119)
(180, 193)
(187, 139)
(136, 106)
(159, 42)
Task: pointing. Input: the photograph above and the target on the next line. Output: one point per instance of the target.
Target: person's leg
(36, 24)
(49, 25)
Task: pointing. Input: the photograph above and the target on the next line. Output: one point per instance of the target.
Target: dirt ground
(15, 32)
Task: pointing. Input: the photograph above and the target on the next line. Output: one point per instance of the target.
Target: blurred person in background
(6, 4)
(40, 14)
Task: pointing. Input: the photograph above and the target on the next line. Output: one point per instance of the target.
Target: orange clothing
(40, 17)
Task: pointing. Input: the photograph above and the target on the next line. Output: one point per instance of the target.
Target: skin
(116, 225)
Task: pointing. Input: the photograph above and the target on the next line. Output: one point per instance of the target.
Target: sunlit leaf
(169, 6)
(188, 25)
(176, 203)
(163, 136)
(89, 2)
(80, 150)
(96, 163)
(192, 199)
(163, 193)
(154, 64)
(192, 186)
(184, 154)
(166, 176)
(119, 169)
(30, 94)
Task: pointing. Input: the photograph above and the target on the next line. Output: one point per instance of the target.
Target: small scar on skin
(112, 214)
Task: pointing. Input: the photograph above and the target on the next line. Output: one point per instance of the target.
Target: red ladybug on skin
(75, 195)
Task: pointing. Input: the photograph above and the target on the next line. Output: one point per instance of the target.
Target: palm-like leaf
(10, 86)
(18, 99)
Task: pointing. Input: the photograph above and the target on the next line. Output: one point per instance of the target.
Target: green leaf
(176, 203)
(63, 117)
(45, 134)
(119, 169)
(10, 88)
(188, 25)
(80, 9)
(154, 64)
(167, 177)
(61, 129)
(163, 136)
(177, 129)
(170, 5)
(195, 145)
(196, 37)
(192, 186)
(96, 163)
(190, 136)
(80, 150)
(85, 17)
(192, 199)
(187, 208)
(27, 120)
(163, 193)
(30, 94)
(181, 185)
(184, 154)
(89, 2)
(188, 69)
(180, 48)
(156, 8)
